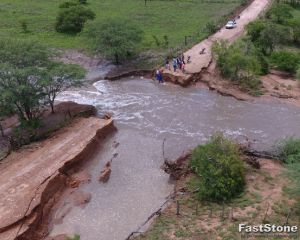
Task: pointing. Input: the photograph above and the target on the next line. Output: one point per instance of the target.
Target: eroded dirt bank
(32, 177)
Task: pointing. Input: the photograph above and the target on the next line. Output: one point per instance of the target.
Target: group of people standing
(177, 63)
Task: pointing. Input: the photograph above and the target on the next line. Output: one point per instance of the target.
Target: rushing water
(145, 113)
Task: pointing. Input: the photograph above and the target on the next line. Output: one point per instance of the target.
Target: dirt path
(202, 61)
(29, 177)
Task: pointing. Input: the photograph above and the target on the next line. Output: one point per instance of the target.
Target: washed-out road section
(26, 174)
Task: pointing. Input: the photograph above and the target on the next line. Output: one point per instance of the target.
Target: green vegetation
(289, 153)
(280, 12)
(29, 79)
(115, 38)
(220, 169)
(271, 42)
(76, 237)
(240, 63)
(276, 36)
(72, 17)
(285, 60)
(175, 19)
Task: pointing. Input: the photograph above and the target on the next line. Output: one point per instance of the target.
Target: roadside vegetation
(272, 42)
(168, 26)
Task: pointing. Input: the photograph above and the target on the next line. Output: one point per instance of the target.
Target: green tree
(22, 90)
(72, 19)
(271, 36)
(286, 61)
(254, 29)
(280, 13)
(220, 169)
(23, 53)
(295, 26)
(115, 38)
(59, 77)
(237, 61)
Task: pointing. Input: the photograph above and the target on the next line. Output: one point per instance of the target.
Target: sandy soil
(28, 176)
(282, 86)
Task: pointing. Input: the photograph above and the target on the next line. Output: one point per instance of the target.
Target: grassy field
(176, 19)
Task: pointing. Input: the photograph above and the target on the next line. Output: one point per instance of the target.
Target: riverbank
(33, 177)
(264, 200)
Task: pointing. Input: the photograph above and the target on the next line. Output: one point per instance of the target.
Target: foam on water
(145, 113)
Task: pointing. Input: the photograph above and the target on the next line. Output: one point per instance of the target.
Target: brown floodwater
(145, 113)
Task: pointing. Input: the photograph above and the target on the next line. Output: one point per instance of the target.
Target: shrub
(289, 150)
(280, 13)
(117, 39)
(295, 27)
(73, 18)
(76, 237)
(220, 168)
(24, 26)
(211, 27)
(68, 4)
(286, 61)
(254, 29)
(289, 153)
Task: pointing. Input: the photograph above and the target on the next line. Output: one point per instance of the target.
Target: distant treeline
(291, 2)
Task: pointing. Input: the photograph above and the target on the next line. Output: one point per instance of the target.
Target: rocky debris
(252, 161)
(105, 173)
(176, 169)
(73, 183)
(115, 144)
(80, 198)
(106, 116)
(78, 178)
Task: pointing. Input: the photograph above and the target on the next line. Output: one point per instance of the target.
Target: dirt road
(28, 176)
(202, 61)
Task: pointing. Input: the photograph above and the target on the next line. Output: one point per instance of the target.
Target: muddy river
(145, 113)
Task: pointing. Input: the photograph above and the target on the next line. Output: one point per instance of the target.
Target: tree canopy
(30, 79)
(280, 12)
(23, 53)
(115, 38)
(59, 77)
(72, 17)
(220, 169)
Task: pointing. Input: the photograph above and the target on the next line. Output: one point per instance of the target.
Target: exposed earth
(145, 114)
(32, 176)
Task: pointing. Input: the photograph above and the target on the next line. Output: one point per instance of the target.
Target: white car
(230, 25)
